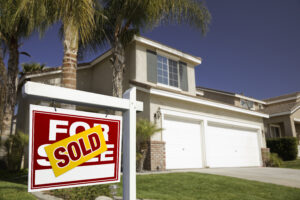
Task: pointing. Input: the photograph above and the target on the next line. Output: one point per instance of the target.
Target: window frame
(273, 135)
(168, 57)
(246, 101)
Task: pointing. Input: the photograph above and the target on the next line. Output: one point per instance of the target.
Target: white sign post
(128, 105)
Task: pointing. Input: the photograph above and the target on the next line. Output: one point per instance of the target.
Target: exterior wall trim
(201, 101)
(165, 111)
(167, 49)
(296, 119)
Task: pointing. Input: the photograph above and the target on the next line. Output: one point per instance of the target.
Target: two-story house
(197, 131)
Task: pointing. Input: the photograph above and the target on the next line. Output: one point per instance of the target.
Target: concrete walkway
(279, 176)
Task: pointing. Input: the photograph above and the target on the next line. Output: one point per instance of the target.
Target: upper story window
(167, 71)
(275, 131)
(247, 104)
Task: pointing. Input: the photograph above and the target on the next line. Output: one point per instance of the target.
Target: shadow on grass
(15, 187)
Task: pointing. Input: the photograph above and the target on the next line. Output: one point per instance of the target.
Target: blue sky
(252, 47)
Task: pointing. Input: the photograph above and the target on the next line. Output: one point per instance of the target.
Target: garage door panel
(183, 143)
(231, 147)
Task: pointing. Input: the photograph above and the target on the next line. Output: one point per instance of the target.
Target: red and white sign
(48, 126)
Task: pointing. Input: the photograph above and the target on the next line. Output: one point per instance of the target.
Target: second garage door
(183, 143)
(231, 147)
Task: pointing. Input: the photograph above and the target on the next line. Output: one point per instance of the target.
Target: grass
(173, 186)
(188, 186)
(294, 164)
(13, 186)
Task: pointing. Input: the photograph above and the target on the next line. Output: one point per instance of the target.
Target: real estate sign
(69, 148)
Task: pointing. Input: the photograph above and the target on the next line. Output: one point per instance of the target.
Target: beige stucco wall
(296, 114)
(139, 74)
(85, 79)
(52, 79)
(102, 77)
(157, 102)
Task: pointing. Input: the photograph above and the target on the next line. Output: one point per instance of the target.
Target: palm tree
(32, 67)
(77, 17)
(14, 26)
(125, 18)
(144, 130)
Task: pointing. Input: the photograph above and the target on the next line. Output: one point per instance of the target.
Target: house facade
(198, 131)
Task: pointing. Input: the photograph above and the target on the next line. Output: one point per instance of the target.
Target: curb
(43, 196)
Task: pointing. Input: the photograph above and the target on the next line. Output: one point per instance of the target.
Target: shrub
(286, 147)
(15, 145)
(274, 160)
(85, 192)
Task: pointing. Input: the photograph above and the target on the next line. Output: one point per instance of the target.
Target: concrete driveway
(279, 176)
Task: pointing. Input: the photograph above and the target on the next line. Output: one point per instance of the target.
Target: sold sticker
(68, 153)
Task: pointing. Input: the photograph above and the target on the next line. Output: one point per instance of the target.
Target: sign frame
(128, 104)
(76, 113)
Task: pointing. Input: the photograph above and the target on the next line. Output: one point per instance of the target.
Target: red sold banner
(84, 148)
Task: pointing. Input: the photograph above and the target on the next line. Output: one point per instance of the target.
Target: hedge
(285, 147)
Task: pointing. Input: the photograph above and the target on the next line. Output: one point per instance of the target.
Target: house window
(247, 104)
(167, 71)
(275, 131)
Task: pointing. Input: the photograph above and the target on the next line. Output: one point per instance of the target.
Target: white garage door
(183, 143)
(231, 147)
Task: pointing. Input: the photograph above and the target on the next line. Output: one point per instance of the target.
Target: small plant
(15, 145)
(274, 160)
(144, 130)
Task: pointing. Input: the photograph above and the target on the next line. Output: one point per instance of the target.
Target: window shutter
(183, 76)
(151, 66)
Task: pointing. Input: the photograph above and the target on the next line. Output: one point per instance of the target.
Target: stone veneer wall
(156, 156)
(265, 155)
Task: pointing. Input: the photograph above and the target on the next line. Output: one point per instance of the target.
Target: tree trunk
(69, 66)
(12, 83)
(143, 150)
(3, 82)
(3, 90)
(118, 62)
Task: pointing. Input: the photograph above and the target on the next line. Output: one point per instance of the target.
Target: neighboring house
(284, 114)
(197, 131)
(284, 118)
(283, 111)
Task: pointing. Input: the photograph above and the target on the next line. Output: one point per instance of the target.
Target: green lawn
(294, 164)
(187, 186)
(14, 191)
(13, 186)
(173, 186)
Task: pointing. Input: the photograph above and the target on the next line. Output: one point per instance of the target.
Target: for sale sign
(69, 148)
